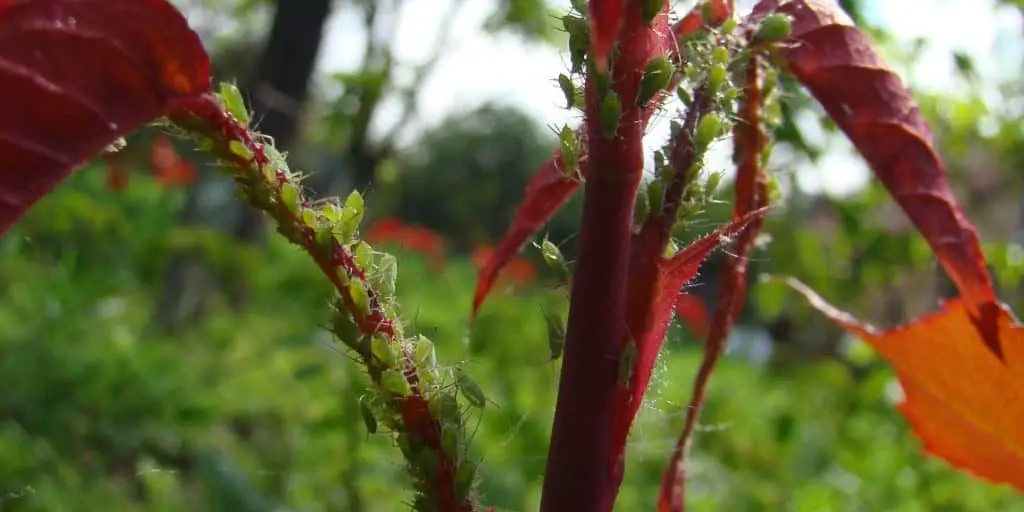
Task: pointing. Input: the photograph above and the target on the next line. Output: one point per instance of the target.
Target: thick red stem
(578, 473)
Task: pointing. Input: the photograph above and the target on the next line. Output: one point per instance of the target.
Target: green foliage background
(252, 410)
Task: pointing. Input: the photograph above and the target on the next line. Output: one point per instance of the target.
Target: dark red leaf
(606, 18)
(654, 285)
(78, 74)
(840, 67)
(547, 191)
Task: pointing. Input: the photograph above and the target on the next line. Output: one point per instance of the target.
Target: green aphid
(655, 196)
(611, 115)
(556, 333)
(684, 95)
(362, 255)
(470, 389)
(720, 55)
(232, 99)
(451, 441)
(570, 150)
(409, 446)
(360, 296)
(394, 383)
(369, 419)
(342, 274)
(464, 478)
(641, 207)
(714, 179)
(291, 197)
(346, 330)
(568, 89)
(385, 274)
(352, 214)
(691, 72)
(626, 364)
(426, 356)
(728, 26)
(324, 236)
(579, 40)
(331, 211)
(275, 162)
(730, 95)
(428, 465)
(650, 10)
(770, 82)
(708, 129)
(602, 81)
(311, 218)
(774, 28)
(426, 361)
(656, 77)
(444, 407)
(718, 76)
(774, 190)
(556, 261)
(671, 248)
(380, 347)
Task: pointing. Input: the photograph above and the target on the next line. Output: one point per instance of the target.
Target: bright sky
(479, 67)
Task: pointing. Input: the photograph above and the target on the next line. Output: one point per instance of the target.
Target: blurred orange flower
(167, 166)
(417, 239)
(518, 271)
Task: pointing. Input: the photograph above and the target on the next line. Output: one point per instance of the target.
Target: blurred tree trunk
(278, 87)
(281, 84)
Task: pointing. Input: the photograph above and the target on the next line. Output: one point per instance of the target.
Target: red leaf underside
(654, 286)
(840, 67)
(546, 192)
(78, 74)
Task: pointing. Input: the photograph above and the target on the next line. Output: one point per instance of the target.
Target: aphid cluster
(410, 397)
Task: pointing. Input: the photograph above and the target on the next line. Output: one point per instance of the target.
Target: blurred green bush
(257, 410)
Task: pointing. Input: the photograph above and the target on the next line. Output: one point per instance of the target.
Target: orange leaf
(966, 404)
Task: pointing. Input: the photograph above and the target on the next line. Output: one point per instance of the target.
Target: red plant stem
(751, 194)
(578, 475)
(416, 416)
(683, 153)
